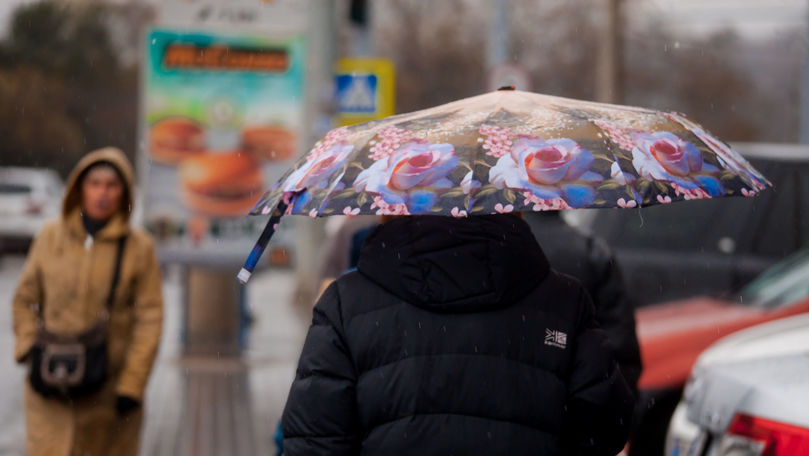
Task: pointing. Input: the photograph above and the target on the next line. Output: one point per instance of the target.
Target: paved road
(193, 406)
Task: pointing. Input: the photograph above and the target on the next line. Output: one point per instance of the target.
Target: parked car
(748, 395)
(673, 335)
(686, 249)
(28, 197)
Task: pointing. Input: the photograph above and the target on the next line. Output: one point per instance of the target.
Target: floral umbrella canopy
(508, 151)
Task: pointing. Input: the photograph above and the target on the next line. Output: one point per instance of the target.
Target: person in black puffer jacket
(590, 260)
(454, 337)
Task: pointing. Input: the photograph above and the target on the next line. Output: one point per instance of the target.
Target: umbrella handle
(258, 249)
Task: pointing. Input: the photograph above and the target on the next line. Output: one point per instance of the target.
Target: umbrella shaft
(255, 254)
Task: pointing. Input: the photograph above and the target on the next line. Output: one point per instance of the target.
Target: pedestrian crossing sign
(364, 90)
(356, 93)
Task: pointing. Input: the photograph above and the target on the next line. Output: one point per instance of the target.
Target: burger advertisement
(222, 118)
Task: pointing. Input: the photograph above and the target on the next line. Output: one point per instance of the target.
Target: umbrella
(507, 151)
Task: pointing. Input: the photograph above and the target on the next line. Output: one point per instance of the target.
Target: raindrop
(444, 328)
(489, 435)
(523, 318)
(476, 348)
(676, 45)
(405, 333)
(377, 324)
(419, 325)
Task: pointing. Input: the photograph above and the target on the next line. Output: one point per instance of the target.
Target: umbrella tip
(244, 276)
(508, 87)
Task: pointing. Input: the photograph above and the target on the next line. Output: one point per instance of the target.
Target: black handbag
(69, 367)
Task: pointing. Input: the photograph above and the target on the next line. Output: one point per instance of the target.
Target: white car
(748, 395)
(28, 197)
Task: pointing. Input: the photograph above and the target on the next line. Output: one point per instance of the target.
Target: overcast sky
(753, 18)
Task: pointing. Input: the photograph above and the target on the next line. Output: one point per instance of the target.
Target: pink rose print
(388, 209)
(411, 175)
(690, 193)
(320, 167)
(727, 157)
(663, 199)
(624, 204)
(540, 204)
(458, 213)
(748, 193)
(332, 138)
(664, 156)
(390, 139)
(351, 212)
(503, 209)
(621, 136)
(549, 169)
(313, 213)
(498, 140)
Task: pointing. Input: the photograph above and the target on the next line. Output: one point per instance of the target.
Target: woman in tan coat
(66, 279)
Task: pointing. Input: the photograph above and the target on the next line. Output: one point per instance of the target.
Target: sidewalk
(195, 406)
(200, 406)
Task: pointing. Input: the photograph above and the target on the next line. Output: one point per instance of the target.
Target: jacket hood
(447, 264)
(110, 155)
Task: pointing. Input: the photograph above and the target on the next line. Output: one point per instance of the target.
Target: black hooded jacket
(454, 337)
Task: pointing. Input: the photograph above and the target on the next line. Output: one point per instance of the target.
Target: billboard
(222, 118)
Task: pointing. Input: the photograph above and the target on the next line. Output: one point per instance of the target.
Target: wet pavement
(194, 406)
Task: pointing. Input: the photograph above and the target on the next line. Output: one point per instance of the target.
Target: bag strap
(117, 272)
(115, 277)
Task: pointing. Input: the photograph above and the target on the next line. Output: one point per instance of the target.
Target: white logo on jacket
(555, 338)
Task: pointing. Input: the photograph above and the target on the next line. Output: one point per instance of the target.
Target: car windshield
(784, 283)
(14, 189)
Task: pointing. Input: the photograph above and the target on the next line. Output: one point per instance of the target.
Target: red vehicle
(672, 335)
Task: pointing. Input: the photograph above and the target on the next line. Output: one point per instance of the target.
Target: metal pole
(609, 77)
(309, 233)
(361, 45)
(804, 126)
(498, 34)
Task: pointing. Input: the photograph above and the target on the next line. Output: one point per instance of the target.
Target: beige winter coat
(69, 275)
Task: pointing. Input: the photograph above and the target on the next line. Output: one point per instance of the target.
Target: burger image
(269, 142)
(173, 139)
(223, 185)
